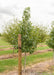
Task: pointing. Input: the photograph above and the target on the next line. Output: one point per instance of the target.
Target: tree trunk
(25, 63)
(19, 55)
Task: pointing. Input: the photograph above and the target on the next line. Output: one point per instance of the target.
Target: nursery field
(41, 55)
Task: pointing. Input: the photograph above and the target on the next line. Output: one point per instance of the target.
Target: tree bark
(19, 55)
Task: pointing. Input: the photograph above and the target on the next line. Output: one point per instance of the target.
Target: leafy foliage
(31, 35)
(50, 42)
(11, 33)
(28, 43)
(39, 34)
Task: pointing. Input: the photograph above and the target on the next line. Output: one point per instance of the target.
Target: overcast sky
(42, 11)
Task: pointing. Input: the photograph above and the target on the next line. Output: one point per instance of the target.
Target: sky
(42, 11)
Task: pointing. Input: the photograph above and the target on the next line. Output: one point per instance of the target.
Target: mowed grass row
(7, 52)
(10, 64)
(43, 48)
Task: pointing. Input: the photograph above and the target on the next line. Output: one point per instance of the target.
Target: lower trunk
(25, 63)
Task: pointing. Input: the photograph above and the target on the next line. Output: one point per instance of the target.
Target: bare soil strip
(16, 55)
(6, 49)
(41, 45)
(6, 46)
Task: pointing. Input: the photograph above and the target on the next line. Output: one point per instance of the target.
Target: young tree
(50, 42)
(31, 35)
(28, 43)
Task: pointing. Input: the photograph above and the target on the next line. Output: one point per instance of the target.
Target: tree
(50, 42)
(11, 32)
(28, 43)
(31, 35)
(39, 34)
(24, 28)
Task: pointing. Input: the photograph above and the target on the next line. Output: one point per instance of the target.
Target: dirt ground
(36, 69)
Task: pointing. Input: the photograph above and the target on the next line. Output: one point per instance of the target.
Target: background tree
(50, 42)
(39, 34)
(11, 32)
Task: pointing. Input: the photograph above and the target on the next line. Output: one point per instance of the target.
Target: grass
(3, 42)
(7, 52)
(10, 64)
(42, 48)
(45, 73)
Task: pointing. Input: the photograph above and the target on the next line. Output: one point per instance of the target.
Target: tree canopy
(31, 35)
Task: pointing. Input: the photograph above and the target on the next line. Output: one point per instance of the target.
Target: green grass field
(10, 64)
(42, 48)
(3, 42)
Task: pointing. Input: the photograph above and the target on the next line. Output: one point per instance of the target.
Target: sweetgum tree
(26, 32)
(24, 28)
(28, 43)
(31, 35)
